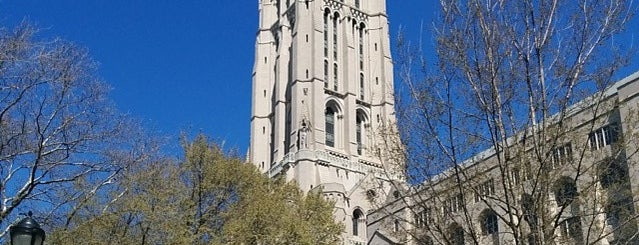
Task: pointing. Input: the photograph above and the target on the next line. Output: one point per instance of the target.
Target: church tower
(322, 92)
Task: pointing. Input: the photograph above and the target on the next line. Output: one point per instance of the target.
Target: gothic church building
(322, 89)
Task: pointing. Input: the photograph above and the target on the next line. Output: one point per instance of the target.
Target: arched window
(329, 115)
(565, 191)
(335, 30)
(360, 131)
(361, 46)
(326, 17)
(359, 135)
(358, 217)
(488, 220)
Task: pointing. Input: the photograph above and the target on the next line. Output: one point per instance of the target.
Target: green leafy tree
(208, 198)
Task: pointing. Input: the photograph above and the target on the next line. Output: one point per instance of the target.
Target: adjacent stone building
(579, 187)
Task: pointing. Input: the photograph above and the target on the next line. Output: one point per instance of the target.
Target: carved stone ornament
(334, 5)
(359, 15)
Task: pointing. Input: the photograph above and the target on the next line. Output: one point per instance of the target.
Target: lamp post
(26, 232)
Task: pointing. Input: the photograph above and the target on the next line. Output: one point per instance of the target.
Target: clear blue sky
(175, 65)
(179, 65)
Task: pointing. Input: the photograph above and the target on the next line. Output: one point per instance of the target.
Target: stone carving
(303, 135)
(334, 5)
(359, 15)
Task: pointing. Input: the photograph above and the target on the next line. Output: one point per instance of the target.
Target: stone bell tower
(322, 93)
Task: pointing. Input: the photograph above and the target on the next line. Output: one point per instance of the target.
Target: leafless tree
(61, 141)
(501, 131)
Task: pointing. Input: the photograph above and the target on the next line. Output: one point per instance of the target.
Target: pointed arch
(361, 120)
(358, 221)
(327, 16)
(360, 38)
(336, 21)
(489, 222)
(332, 126)
(565, 190)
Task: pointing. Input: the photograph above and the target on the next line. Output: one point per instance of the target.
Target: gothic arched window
(360, 131)
(329, 115)
(565, 191)
(488, 220)
(358, 216)
(326, 17)
(335, 31)
(361, 46)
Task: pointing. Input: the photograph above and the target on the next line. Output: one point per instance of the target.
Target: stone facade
(585, 180)
(322, 92)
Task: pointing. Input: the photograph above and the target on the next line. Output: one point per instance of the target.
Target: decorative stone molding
(326, 158)
(359, 15)
(333, 5)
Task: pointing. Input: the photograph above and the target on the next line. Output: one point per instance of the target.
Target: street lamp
(26, 232)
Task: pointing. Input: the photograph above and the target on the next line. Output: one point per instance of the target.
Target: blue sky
(175, 65)
(180, 65)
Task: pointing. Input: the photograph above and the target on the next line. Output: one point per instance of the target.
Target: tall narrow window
(335, 77)
(565, 194)
(325, 74)
(361, 47)
(326, 33)
(329, 115)
(489, 224)
(357, 3)
(361, 86)
(357, 216)
(335, 30)
(359, 128)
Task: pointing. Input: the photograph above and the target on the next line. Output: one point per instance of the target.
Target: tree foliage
(500, 105)
(207, 198)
